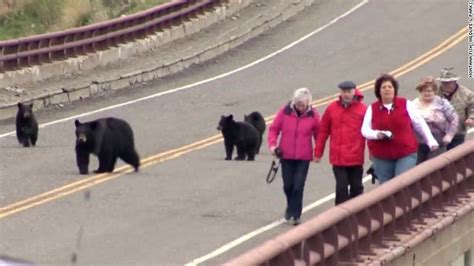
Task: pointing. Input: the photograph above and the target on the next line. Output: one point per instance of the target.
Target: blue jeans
(457, 140)
(294, 174)
(387, 169)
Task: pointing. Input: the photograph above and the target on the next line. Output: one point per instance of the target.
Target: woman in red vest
(389, 126)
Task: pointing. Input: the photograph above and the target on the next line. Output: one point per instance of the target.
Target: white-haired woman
(295, 126)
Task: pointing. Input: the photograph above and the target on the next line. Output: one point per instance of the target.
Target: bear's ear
(245, 117)
(20, 105)
(31, 106)
(230, 117)
(77, 123)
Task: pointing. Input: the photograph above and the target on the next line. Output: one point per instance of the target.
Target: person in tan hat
(462, 99)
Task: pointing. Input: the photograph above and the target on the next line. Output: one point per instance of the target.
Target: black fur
(256, 119)
(108, 139)
(26, 125)
(240, 134)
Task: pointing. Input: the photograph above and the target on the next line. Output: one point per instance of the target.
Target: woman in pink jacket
(292, 131)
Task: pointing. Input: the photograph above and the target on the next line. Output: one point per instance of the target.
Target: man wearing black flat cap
(342, 122)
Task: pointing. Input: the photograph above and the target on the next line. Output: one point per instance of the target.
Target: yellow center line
(171, 154)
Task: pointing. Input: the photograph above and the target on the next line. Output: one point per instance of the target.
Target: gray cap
(347, 85)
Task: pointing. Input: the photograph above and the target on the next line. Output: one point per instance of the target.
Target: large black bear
(256, 119)
(26, 125)
(241, 134)
(107, 138)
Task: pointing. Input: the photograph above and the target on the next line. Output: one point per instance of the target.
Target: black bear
(107, 138)
(241, 134)
(26, 125)
(256, 119)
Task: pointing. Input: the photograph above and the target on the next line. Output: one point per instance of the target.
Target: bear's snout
(82, 138)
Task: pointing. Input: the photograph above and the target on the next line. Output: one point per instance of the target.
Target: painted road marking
(189, 86)
(444, 46)
(97, 179)
(152, 160)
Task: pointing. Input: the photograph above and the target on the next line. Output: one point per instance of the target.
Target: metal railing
(379, 226)
(45, 48)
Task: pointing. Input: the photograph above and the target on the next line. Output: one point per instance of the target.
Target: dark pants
(457, 140)
(348, 182)
(294, 174)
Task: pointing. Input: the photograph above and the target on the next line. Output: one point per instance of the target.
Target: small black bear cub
(26, 125)
(241, 134)
(107, 138)
(256, 119)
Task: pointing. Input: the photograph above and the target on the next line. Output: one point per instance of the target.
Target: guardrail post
(44, 57)
(34, 59)
(10, 48)
(56, 41)
(23, 47)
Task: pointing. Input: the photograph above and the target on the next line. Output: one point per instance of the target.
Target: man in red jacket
(342, 122)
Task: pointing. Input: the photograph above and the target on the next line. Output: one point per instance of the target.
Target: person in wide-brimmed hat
(462, 99)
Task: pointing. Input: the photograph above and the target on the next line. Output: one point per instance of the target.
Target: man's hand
(316, 159)
(469, 122)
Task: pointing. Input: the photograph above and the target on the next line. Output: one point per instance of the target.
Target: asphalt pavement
(178, 210)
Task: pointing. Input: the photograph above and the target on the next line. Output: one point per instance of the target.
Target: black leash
(273, 171)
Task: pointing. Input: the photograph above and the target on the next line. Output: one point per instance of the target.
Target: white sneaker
(296, 221)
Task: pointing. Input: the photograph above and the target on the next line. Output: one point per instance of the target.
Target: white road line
(268, 227)
(313, 205)
(261, 230)
(12, 133)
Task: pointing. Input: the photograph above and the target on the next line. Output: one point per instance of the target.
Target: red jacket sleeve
(323, 135)
(317, 125)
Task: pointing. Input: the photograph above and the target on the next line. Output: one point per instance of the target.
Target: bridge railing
(379, 226)
(45, 48)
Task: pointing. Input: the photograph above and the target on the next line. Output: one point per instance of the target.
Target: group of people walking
(399, 133)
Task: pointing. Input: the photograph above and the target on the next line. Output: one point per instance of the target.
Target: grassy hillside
(20, 18)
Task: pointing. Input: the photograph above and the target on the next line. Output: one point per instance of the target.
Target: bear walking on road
(107, 138)
(240, 134)
(26, 125)
(256, 119)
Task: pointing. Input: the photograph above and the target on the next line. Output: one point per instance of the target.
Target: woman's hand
(447, 140)
(434, 147)
(272, 150)
(384, 135)
(380, 135)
